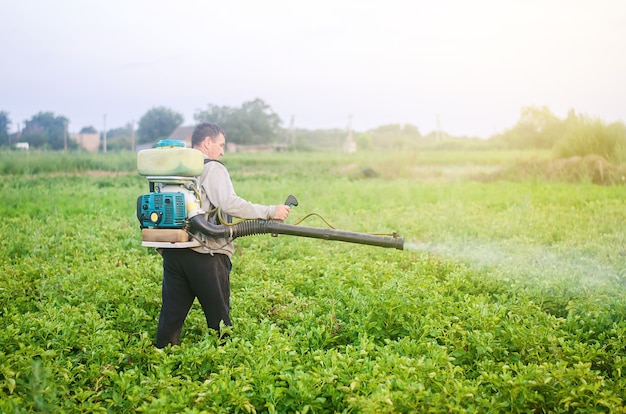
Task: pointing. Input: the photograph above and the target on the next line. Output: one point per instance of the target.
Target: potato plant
(509, 297)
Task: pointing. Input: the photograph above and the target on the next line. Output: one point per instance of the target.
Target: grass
(509, 297)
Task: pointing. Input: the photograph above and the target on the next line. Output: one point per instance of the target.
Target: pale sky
(471, 64)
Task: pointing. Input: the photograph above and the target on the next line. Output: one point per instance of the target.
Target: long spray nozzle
(253, 227)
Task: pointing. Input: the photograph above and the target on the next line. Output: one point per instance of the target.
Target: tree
(586, 135)
(327, 139)
(121, 132)
(4, 128)
(158, 123)
(396, 136)
(536, 128)
(120, 138)
(88, 130)
(45, 130)
(254, 122)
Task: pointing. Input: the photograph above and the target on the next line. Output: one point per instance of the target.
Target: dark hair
(203, 130)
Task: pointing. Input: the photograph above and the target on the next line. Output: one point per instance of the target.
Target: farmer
(204, 272)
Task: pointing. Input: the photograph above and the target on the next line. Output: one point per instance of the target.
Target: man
(204, 272)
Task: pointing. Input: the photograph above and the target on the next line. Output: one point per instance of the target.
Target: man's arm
(219, 189)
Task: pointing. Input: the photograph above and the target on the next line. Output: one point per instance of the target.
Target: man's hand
(282, 211)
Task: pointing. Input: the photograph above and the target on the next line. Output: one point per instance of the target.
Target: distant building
(88, 142)
(232, 147)
(141, 147)
(183, 133)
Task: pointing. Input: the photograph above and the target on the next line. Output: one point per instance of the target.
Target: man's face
(214, 148)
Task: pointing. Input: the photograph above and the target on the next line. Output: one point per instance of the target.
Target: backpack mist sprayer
(171, 215)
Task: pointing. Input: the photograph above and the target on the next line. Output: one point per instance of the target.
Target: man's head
(210, 139)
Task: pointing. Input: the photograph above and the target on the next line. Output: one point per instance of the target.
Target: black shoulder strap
(208, 160)
(228, 218)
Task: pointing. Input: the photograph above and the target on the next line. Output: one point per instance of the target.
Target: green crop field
(510, 294)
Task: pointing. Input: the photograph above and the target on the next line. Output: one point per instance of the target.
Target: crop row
(509, 297)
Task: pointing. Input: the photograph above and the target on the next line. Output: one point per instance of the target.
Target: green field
(510, 295)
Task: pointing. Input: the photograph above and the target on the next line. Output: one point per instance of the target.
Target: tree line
(255, 122)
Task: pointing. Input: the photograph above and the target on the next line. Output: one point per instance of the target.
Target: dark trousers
(188, 275)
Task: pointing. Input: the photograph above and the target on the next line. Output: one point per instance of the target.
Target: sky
(465, 67)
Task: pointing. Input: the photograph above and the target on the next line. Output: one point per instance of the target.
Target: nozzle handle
(291, 201)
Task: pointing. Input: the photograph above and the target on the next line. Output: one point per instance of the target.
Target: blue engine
(162, 210)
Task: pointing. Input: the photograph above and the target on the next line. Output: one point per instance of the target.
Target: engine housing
(162, 210)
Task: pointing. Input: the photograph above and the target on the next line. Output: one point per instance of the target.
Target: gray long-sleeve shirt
(216, 189)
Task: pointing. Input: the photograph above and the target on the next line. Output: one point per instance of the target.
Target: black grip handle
(291, 201)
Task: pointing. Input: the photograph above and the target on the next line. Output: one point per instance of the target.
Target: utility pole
(104, 135)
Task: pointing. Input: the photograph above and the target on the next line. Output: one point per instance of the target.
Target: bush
(586, 136)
